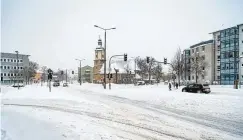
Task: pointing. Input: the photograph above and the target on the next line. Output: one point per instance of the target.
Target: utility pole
(104, 52)
(80, 71)
(17, 52)
(66, 75)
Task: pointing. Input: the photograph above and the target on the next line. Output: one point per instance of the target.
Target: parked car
(65, 84)
(140, 83)
(56, 84)
(16, 85)
(197, 88)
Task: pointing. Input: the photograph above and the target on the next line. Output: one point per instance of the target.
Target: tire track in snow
(228, 126)
(98, 116)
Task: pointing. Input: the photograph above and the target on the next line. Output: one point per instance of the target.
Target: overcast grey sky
(55, 32)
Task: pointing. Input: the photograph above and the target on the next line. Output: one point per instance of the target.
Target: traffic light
(165, 61)
(125, 57)
(49, 76)
(148, 59)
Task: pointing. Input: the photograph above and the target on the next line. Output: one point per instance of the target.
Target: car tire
(199, 91)
(183, 90)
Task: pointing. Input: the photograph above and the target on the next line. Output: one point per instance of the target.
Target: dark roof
(202, 43)
(226, 28)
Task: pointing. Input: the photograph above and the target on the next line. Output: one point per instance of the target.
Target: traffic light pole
(110, 70)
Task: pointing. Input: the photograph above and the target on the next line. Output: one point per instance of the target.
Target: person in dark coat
(169, 86)
(177, 85)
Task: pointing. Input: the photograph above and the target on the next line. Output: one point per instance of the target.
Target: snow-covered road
(125, 112)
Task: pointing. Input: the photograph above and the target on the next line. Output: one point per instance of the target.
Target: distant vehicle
(16, 85)
(65, 84)
(56, 84)
(140, 83)
(197, 88)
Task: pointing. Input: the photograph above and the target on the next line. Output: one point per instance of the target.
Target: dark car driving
(197, 88)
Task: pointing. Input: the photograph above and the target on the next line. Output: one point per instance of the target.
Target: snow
(124, 112)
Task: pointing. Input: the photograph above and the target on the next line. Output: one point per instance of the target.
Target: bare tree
(142, 65)
(177, 64)
(198, 66)
(43, 76)
(157, 71)
(146, 68)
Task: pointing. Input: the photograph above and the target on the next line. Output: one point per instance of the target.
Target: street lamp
(104, 52)
(80, 72)
(17, 53)
(240, 71)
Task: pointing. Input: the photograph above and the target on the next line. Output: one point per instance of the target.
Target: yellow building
(98, 62)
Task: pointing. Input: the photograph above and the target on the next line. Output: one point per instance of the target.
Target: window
(242, 65)
(219, 57)
(242, 30)
(8, 74)
(1, 59)
(192, 77)
(192, 50)
(8, 67)
(218, 67)
(15, 61)
(5, 67)
(1, 74)
(21, 60)
(8, 60)
(1, 67)
(21, 68)
(5, 74)
(197, 49)
(11, 74)
(15, 68)
(11, 60)
(4, 60)
(218, 77)
(203, 48)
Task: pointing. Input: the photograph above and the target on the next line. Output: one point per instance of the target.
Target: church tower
(98, 62)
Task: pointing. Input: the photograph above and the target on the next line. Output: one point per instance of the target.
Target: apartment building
(240, 27)
(186, 76)
(87, 74)
(228, 47)
(203, 50)
(9, 68)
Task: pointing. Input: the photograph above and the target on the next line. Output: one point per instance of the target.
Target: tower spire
(99, 42)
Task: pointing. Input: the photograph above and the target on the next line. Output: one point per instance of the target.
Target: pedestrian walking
(177, 85)
(169, 86)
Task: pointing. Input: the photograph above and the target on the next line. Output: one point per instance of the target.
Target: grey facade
(186, 73)
(87, 74)
(9, 67)
(204, 50)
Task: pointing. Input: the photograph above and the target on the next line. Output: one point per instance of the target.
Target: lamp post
(80, 71)
(17, 53)
(240, 63)
(104, 52)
